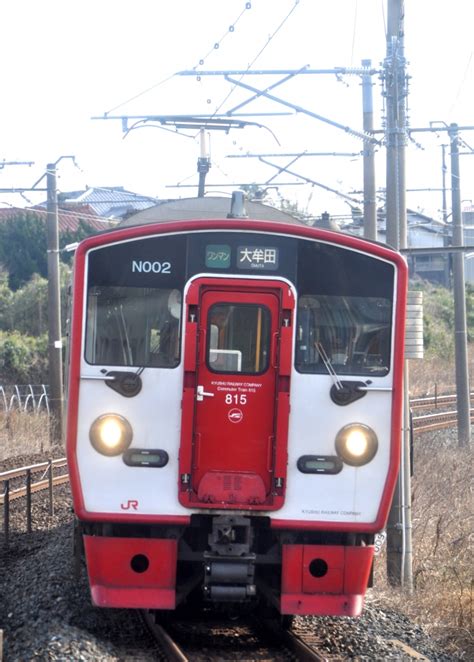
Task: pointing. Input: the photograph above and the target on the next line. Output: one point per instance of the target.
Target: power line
(461, 86)
(354, 30)
(259, 53)
(230, 30)
(216, 46)
(140, 94)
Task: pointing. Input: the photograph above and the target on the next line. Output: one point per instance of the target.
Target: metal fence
(18, 484)
(25, 398)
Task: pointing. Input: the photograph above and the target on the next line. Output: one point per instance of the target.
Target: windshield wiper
(342, 392)
(328, 365)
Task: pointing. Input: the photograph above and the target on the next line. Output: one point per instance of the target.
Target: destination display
(242, 253)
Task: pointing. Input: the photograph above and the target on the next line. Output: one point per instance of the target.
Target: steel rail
(434, 401)
(19, 473)
(437, 421)
(407, 651)
(171, 649)
(303, 651)
(303, 646)
(21, 492)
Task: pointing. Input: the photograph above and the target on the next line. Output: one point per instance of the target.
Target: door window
(238, 338)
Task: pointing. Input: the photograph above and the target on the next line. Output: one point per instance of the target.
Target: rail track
(26, 473)
(265, 639)
(435, 401)
(438, 421)
(211, 639)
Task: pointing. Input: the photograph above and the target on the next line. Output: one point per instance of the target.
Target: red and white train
(234, 413)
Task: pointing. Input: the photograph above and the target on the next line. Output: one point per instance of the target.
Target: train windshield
(133, 326)
(353, 331)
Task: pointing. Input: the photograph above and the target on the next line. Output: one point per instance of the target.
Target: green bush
(23, 359)
(26, 309)
(438, 318)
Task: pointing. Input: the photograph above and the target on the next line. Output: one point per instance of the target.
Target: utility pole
(399, 545)
(370, 202)
(54, 316)
(460, 326)
(405, 477)
(394, 73)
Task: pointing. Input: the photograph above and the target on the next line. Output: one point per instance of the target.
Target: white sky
(64, 61)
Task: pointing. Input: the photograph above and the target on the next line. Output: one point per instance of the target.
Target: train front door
(240, 399)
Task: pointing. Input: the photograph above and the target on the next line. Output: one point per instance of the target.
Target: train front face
(234, 413)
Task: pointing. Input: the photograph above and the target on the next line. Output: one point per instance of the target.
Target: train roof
(186, 209)
(214, 209)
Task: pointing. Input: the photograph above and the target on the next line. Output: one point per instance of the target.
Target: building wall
(469, 241)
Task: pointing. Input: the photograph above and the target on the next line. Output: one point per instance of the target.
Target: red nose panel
(324, 579)
(136, 573)
(231, 487)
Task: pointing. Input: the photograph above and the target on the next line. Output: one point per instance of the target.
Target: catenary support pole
(460, 326)
(399, 549)
(391, 91)
(54, 316)
(405, 481)
(370, 202)
(394, 527)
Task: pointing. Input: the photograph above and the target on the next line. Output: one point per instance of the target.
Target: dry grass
(443, 535)
(23, 434)
(436, 374)
(443, 527)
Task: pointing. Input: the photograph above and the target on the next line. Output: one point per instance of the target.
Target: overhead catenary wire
(269, 39)
(278, 28)
(230, 30)
(216, 46)
(356, 8)
(463, 81)
(140, 94)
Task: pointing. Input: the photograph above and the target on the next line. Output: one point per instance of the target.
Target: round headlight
(356, 444)
(111, 434)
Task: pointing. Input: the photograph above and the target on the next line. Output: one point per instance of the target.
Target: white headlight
(356, 444)
(111, 434)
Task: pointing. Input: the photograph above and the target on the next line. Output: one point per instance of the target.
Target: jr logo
(235, 415)
(130, 504)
